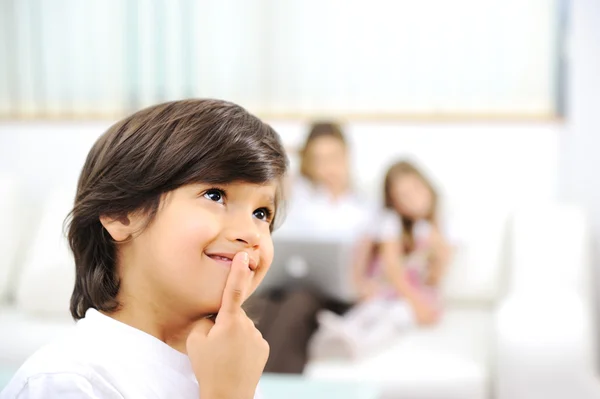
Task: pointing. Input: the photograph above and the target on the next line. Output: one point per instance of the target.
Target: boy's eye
(263, 214)
(215, 195)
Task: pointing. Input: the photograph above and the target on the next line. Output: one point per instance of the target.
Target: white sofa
(518, 323)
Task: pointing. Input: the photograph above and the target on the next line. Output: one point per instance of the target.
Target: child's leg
(401, 314)
(342, 336)
(361, 316)
(396, 317)
(366, 328)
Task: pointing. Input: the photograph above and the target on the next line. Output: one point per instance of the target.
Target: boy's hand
(229, 355)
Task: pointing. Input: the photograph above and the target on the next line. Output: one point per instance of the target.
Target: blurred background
(494, 100)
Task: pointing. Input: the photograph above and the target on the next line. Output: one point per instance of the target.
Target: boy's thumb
(200, 330)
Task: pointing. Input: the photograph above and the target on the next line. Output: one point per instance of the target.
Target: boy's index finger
(236, 285)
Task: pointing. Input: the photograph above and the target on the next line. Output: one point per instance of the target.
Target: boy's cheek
(192, 234)
(262, 272)
(200, 226)
(255, 283)
(267, 251)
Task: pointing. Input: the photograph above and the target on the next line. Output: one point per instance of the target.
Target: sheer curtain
(73, 58)
(414, 57)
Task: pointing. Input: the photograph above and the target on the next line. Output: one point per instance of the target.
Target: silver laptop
(324, 266)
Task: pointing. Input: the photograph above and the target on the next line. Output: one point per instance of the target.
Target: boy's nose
(251, 240)
(244, 231)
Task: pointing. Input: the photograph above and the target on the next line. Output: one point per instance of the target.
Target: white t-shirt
(389, 227)
(103, 358)
(312, 213)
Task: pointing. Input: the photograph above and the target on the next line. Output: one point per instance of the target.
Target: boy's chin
(205, 313)
(204, 307)
(210, 316)
(212, 310)
(211, 304)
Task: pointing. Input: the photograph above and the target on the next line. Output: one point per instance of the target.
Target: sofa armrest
(544, 346)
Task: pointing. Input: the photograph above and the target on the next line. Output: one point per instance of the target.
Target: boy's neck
(147, 319)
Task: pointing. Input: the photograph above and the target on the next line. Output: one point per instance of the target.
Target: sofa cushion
(47, 277)
(10, 233)
(22, 334)
(550, 240)
(476, 272)
(450, 360)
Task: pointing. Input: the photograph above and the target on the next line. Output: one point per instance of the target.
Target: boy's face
(181, 261)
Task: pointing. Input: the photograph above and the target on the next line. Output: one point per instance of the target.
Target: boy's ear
(120, 228)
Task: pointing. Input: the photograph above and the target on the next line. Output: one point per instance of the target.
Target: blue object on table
(6, 374)
(277, 386)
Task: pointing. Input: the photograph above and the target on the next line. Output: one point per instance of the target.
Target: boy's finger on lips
(236, 286)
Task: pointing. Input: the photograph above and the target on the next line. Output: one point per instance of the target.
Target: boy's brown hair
(152, 152)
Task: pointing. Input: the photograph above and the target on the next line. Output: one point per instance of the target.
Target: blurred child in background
(399, 286)
(323, 205)
(323, 202)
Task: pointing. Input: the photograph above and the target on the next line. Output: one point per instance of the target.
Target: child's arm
(365, 287)
(392, 254)
(442, 253)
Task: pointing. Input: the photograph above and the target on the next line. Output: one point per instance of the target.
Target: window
(482, 58)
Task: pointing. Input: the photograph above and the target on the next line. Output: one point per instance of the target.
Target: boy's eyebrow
(270, 199)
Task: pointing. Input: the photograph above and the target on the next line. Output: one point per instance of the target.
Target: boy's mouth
(226, 259)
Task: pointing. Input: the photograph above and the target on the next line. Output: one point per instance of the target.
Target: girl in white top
(413, 249)
(399, 286)
(171, 232)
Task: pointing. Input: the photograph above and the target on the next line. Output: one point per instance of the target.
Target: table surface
(6, 374)
(275, 386)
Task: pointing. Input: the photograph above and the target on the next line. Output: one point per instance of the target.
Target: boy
(171, 226)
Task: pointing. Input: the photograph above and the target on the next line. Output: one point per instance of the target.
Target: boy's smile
(225, 259)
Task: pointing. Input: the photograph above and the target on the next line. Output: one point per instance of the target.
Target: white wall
(580, 143)
(579, 156)
(480, 166)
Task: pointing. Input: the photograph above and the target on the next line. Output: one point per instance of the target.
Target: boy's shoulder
(66, 351)
(60, 366)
